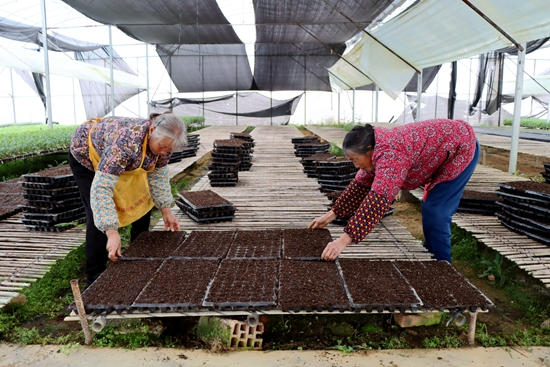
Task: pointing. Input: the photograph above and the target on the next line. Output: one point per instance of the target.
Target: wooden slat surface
(276, 193)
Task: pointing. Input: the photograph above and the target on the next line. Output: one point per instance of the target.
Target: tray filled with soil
(54, 216)
(376, 285)
(178, 285)
(304, 139)
(117, 287)
(244, 284)
(256, 244)
(209, 245)
(8, 211)
(311, 286)
(538, 190)
(205, 199)
(304, 243)
(441, 287)
(523, 199)
(477, 202)
(206, 206)
(243, 136)
(55, 175)
(537, 217)
(309, 149)
(539, 211)
(55, 192)
(153, 245)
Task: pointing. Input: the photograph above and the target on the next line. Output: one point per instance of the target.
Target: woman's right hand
(113, 244)
(323, 220)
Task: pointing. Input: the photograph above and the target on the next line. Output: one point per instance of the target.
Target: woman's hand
(336, 247)
(113, 244)
(323, 220)
(170, 221)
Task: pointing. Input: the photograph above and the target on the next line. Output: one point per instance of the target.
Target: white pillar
(353, 108)
(47, 90)
(147, 76)
(419, 96)
(517, 110)
(376, 104)
(112, 78)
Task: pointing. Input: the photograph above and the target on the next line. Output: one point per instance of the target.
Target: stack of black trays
(226, 160)
(309, 163)
(546, 173)
(205, 206)
(53, 200)
(246, 156)
(525, 208)
(304, 140)
(309, 149)
(334, 174)
(193, 141)
(477, 202)
(333, 196)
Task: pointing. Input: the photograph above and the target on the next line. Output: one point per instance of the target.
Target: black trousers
(96, 241)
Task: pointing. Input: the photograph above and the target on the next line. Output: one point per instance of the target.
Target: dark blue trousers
(438, 209)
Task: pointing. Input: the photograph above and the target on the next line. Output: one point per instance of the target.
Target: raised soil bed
(377, 285)
(178, 284)
(311, 285)
(306, 243)
(441, 287)
(256, 244)
(154, 245)
(205, 244)
(244, 284)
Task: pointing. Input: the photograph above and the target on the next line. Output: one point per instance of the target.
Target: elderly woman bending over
(120, 167)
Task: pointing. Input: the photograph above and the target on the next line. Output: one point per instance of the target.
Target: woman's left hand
(335, 248)
(170, 221)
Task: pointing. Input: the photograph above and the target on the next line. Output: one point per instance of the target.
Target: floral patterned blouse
(406, 157)
(119, 143)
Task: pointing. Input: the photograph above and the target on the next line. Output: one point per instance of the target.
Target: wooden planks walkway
(276, 193)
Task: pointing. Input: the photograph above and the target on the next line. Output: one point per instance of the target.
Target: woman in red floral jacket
(439, 154)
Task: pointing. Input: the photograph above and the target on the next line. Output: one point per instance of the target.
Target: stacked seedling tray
(310, 169)
(525, 208)
(546, 173)
(309, 149)
(11, 198)
(334, 174)
(248, 145)
(193, 141)
(270, 270)
(226, 160)
(477, 202)
(205, 206)
(53, 200)
(304, 140)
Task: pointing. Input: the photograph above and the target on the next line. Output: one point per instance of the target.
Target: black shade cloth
(239, 108)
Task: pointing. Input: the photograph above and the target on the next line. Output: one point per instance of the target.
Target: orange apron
(132, 196)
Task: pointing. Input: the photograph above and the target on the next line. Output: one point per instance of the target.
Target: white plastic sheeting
(537, 85)
(434, 32)
(60, 64)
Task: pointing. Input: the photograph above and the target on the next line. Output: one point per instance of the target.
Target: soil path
(51, 356)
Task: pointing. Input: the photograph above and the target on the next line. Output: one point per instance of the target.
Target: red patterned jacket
(406, 157)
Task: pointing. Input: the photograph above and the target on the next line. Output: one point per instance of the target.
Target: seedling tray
(336, 171)
(51, 198)
(210, 220)
(335, 163)
(8, 211)
(76, 217)
(523, 199)
(55, 192)
(57, 228)
(56, 180)
(304, 140)
(66, 203)
(225, 155)
(480, 211)
(222, 184)
(525, 212)
(223, 168)
(527, 193)
(48, 185)
(361, 280)
(524, 229)
(343, 182)
(346, 176)
(538, 210)
(54, 217)
(46, 210)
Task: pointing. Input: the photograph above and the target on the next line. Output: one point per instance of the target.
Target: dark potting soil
(204, 198)
(179, 283)
(243, 283)
(261, 243)
(305, 285)
(305, 243)
(319, 156)
(471, 194)
(155, 244)
(119, 285)
(440, 286)
(376, 283)
(206, 244)
(55, 171)
(12, 187)
(541, 187)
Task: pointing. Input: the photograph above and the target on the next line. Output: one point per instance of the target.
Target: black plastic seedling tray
(53, 191)
(48, 185)
(523, 199)
(49, 205)
(54, 216)
(210, 220)
(51, 180)
(222, 184)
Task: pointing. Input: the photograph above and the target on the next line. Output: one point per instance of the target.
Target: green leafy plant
(496, 268)
(343, 348)
(66, 349)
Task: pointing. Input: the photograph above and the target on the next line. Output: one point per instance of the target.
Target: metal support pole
(47, 90)
(147, 77)
(236, 92)
(13, 97)
(419, 96)
(517, 110)
(111, 71)
(353, 108)
(469, 86)
(81, 312)
(436, 93)
(377, 92)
